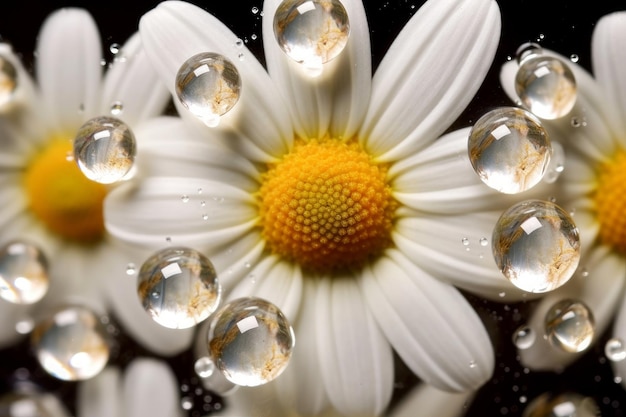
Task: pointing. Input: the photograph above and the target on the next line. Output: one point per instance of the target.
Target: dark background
(561, 25)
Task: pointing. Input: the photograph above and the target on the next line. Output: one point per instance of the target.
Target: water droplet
(117, 108)
(527, 50)
(208, 85)
(186, 403)
(186, 283)
(8, 81)
(556, 165)
(202, 203)
(71, 344)
(199, 191)
(536, 245)
(204, 367)
(239, 43)
(574, 58)
(523, 399)
(115, 48)
(253, 36)
(24, 326)
(205, 216)
(23, 273)
(184, 198)
(250, 341)
(546, 86)
(567, 404)
(615, 350)
(241, 56)
(131, 269)
(509, 149)
(483, 241)
(617, 379)
(465, 241)
(255, 10)
(311, 32)
(502, 294)
(472, 364)
(523, 337)
(247, 264)
(569, 325)
(104, 149)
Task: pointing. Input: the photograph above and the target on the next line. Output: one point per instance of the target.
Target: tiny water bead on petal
(569, 325)
(545, 85)
(178, 287)
(509, 149)
(536, 245)
(23, 273)
(566, 404)
(312, 32)
(105, 149)
(209, 86)
(610, 201)
(71, 344)
(250, 341)
(524, 337)
(615, 349)
(8, 81)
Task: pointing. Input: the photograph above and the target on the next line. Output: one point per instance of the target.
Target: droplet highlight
(23, 273)
(209, 86)
(104, 149)
(250, 341)
(509, 149)
(178, 287)
(536, 245)
(569, 326)
(8, 81)
(615, 350)
(312, 32)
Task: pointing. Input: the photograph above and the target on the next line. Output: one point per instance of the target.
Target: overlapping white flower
(593, 134)
(346, 322)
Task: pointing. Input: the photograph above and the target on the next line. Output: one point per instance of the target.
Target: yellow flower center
(610, 200)
(326, 206)
(69, 204)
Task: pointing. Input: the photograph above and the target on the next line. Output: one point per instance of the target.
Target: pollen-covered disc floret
(610, 202)
(326, 205)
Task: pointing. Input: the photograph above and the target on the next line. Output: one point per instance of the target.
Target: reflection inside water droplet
(8, 81)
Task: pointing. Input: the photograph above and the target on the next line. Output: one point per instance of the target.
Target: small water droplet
(186, 403)
(584, 272)
(247, 265)
(523, 399)
(536, 245)
(311, 32)
(205, 216)
(574, 58)
(204, 367)
(556, 165)
(465, 241)
(569, 325)
(187, 284)
(241, 56)
(184, 198)
(105, 149)
(502, 294)
(8, 81)
(115, 48)
(208, 85)
(69, 156)
(617, 379)
(509, 149)
(202, 203)
(566, 404)
(524, 337)
(23, 272)
(24, 326)
(540, 37)
(546, 86)
(117, 108)
(483, 241)
(199, 191)
(253, 36)
(472, 364)
(255, 10)
(131, 269)
(239, 43)
(615, 350)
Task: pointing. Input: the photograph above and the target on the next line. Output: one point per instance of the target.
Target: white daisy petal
(429, 323)
(150, 389)
(336, 100)
(233, 260)
(12, 314)
(608, 59)
(357, 363)
(132, 82)
(154, 210)
(601, 290)
(68, 67)
(428, 401)
(429, 75)
(578, 177)
(175, 31)
(101, 395)
(14, 202)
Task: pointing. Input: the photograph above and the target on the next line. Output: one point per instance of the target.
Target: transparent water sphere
(615, 349)
(524, 337)
(8, 81)
(105, 149)
(250, 341)
(31, 403)
(209, 86)
(546, 86)
(509, 149)
(311, 32)
(569, 325)
(536, 245)
(23, 273)
(178, 287)
(71, 343)
(567, 404)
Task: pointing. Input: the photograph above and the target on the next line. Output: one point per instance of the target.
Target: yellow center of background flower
(69, 204)
(610, 199)
(326, 206)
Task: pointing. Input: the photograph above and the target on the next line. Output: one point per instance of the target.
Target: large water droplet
(536, 245)
(209, 86)
(509, 149)
(8, 81)
(71, 343)
(615, 350)
(567, 404)
(569, 325)
(524, 337)
(178, 287)
(204, 367)
(311, 32)
(23, 273)
(546, 86)
(250, 341)
(104, 149)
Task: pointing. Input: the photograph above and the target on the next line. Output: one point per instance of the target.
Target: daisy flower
(333, 197)
(591, 187)
(46, 199)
